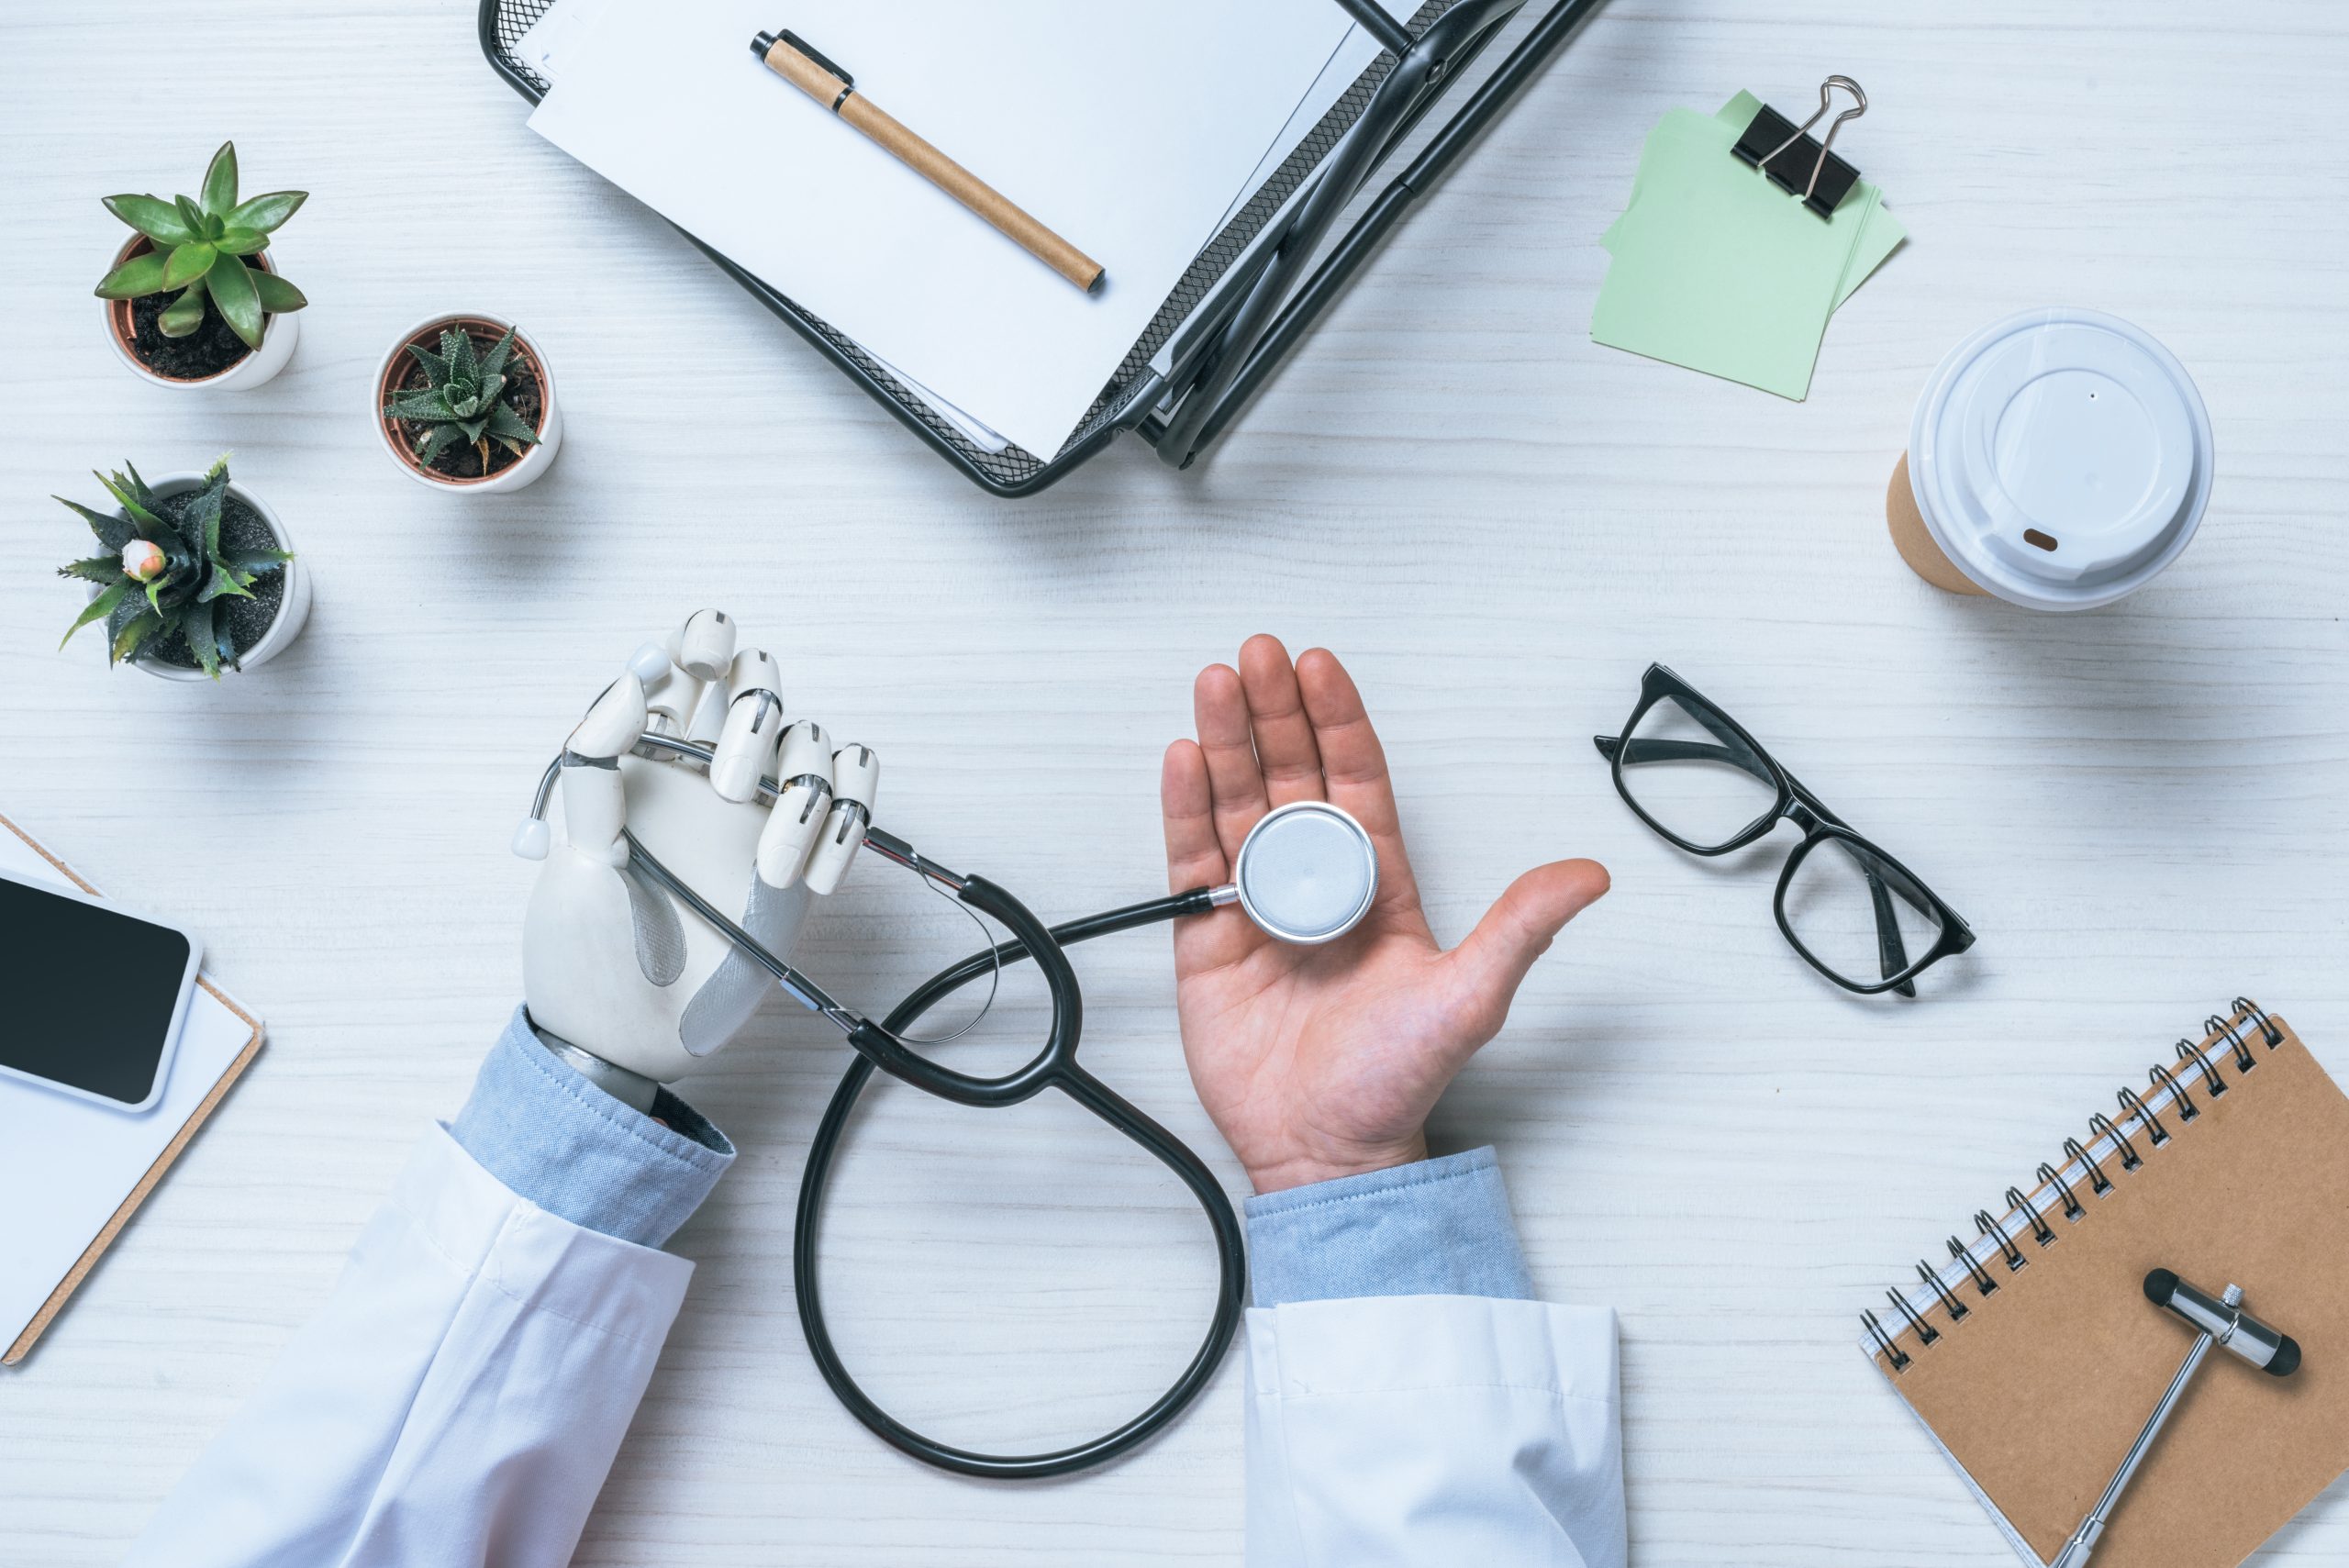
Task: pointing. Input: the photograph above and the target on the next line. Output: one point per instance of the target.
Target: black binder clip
(1795, 162)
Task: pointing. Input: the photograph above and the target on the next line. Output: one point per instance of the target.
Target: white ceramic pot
(293, 610)
(279, 333)
(534, 461)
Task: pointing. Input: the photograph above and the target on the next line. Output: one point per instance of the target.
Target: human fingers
(1353, 766)
(804, 768)
(1285, 751)
(1194, 858)
(746, 746)
(1220, 712)
(1486, 969)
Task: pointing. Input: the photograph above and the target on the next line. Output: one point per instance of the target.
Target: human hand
(1322, 1061)
(609, 962)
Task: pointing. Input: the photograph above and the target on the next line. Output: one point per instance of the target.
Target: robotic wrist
(633, 1090)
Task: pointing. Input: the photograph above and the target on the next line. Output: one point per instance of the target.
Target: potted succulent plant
(198, 575)
(192, 300)
(467, 403)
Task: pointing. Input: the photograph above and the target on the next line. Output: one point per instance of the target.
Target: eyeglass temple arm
(1890, 950)
(1638, 751)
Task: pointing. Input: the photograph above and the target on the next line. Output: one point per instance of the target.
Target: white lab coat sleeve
(458, 1402)
(1408, 1403)
(1454, 1431)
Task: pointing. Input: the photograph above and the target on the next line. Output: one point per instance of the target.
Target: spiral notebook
(2034, 1357)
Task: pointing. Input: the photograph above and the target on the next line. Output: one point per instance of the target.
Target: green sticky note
(1719, 270)
(1879, 237)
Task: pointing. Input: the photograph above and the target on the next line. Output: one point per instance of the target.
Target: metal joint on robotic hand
(888, 846)
(633, 1090)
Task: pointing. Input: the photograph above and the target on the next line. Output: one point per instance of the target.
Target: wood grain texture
(1498, 524)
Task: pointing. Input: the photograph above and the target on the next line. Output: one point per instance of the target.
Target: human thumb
(1492, 963)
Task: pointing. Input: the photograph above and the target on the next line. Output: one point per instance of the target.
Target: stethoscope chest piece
(1306, 873)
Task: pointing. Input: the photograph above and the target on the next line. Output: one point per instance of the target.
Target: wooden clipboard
(179, 1139)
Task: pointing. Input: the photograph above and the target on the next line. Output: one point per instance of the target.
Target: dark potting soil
(248, 619)
(459, 459)
(210, 349)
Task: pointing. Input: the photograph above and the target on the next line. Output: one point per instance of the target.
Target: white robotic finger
(594, 806)
(708, 720)
(677, 672)
(705, 645)
(856, 778)
(746, 746)
(805, 771)
(670, 693)
(613, 720)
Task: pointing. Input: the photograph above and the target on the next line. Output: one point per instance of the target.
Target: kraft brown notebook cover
(13, 1351)
(2035, 1358)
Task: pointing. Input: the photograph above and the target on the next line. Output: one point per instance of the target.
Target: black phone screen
(87, 994)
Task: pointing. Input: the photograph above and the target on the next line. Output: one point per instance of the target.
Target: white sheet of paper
(1126, 128)
(66, 1164)
(540, 47)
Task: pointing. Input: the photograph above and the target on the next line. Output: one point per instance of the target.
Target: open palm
(1324, 1062)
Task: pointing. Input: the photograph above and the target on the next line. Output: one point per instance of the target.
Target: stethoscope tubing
(884, 1046)
(1104, 1103)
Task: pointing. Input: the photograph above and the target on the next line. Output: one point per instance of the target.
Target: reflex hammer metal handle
(2075, 1550)
(2217, 1322)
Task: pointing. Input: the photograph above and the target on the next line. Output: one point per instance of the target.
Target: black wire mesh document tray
(1258, 286)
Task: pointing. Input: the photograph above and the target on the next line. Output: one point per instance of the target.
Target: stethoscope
(1306, 873)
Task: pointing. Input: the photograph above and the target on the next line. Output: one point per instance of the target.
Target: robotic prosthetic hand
(611, 966)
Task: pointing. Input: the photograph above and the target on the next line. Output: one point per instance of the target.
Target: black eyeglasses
(1696, 776)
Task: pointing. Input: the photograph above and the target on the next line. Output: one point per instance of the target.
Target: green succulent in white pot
(195, 575)
(192, 299)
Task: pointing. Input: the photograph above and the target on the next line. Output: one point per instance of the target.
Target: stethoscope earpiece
(532, 837)
(1306, 873)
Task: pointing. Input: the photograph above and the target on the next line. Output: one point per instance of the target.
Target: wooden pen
(788, 56)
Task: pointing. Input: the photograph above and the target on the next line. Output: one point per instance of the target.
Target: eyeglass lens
(1837, 901)
(1699, 781)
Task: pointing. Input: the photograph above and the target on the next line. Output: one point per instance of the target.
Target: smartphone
(92, 997)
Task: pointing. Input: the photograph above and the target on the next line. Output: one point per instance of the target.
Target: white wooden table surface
(1496, 522)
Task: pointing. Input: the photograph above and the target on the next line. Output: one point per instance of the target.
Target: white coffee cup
(2059, 460)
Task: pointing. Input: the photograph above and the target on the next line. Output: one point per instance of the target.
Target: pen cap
(2060, 459)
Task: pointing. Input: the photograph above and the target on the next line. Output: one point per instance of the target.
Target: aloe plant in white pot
(197, 575)
(467, 403)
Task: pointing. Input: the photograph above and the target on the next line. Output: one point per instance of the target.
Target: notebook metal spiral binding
(2099, 1183)
(2109, 1141)
(2102, 1129)
(2041, 1232)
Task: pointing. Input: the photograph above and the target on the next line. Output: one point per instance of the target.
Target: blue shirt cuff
(551, 1136)
(1437, 1227)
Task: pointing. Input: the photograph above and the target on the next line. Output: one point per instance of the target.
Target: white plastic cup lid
(1306, 873)
(2061, 458)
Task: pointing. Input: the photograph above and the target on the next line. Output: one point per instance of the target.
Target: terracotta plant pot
(293, 606)
(278, 334)
(393, 375)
